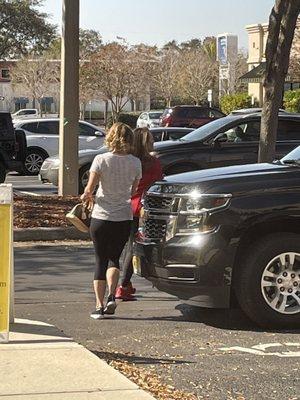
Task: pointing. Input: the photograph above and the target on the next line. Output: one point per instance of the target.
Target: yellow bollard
(5, 259)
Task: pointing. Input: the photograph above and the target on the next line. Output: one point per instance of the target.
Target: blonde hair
(142, 145)
(119, 138)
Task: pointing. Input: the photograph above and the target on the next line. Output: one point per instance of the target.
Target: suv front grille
(158, 203)
(155, 229)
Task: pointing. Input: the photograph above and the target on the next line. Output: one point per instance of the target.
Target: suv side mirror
(99, 133)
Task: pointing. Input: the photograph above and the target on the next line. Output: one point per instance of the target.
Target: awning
(256, 75)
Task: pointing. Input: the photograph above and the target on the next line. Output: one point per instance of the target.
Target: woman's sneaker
(111, 305)
(98, 313)
(124, 293)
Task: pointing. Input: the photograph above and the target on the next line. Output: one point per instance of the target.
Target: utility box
(6, 260)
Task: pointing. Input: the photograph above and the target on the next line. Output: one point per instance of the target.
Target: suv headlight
(195, 210)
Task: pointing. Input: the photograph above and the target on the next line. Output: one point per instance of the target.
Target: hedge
(231, 102)
(127, 118)
(291, 100)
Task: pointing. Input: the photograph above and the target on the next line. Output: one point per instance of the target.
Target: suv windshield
(206, 130)
(292, 156)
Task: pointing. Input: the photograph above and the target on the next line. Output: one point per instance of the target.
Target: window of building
(5, 73)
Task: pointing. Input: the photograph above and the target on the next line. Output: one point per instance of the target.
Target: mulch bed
(42, 211)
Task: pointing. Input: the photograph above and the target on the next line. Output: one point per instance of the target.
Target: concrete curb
(48, 234)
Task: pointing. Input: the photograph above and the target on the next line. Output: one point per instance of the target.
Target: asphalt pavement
(30, 185)
(216, 354)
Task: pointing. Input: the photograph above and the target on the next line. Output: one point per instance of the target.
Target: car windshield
(208, 129)
(293, 156)
(155, 115)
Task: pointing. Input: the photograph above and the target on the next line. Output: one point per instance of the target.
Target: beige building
(257, 39)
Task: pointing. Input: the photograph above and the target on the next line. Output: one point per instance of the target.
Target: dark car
(189, 116)
(214, 236)
(227, 141)
(12, 146)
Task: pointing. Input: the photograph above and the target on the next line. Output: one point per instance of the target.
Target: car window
(244, 132)
(288, 130)
(157, 136)
(215, 114)
(48, 127)
(28, 112)
(154, 115)
(30, 127)
(86, 130)
(175, 135)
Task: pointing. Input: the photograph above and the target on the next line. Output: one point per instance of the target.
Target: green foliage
(127, 118)
(24, 28)
(291, 100)
(231, 102)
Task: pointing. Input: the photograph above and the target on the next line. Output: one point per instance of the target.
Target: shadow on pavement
(133, 359)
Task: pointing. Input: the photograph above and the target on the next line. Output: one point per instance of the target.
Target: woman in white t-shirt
(117, 173)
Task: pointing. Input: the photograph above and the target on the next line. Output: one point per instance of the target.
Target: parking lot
(216, 354)
(30, 185)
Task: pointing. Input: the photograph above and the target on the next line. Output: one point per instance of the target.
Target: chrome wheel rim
(280, 283)
(33, 162)
(85, 178)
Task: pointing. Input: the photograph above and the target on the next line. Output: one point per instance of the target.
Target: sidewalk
(40, 363)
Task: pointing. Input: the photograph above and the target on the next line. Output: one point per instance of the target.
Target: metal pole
(69, 99)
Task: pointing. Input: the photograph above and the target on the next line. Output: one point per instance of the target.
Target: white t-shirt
(117, 174)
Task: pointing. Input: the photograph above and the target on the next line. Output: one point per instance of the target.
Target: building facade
(257, 39)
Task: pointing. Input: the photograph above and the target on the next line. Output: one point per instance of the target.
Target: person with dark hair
(151, 171)
(117, 173)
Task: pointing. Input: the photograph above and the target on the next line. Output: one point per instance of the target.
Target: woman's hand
(88, 199)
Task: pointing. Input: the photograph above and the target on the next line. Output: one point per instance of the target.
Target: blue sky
(158, 21)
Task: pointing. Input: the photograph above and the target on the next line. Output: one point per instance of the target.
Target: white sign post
(209, 97)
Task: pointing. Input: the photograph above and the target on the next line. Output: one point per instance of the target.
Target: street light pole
(69, 99)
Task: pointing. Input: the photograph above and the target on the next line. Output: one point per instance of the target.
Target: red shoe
(130, 288)
(123, 293)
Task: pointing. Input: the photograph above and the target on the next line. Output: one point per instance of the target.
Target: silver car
(149, 119)
(50, 167)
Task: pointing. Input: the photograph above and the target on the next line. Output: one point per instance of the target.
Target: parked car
(12, 146)
(49, 169)
(25, 113)
(227, 141)
(149, 119)
(42, 140)
(251, 110)
(189, 116)
(210, 237)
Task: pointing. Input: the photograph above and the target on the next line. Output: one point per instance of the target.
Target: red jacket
(152, 174)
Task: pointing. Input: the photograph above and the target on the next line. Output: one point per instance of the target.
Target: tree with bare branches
(36, 78)
(282, 24)
(197, 73)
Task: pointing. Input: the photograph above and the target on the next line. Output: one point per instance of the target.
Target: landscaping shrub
(236, 101)
(291, 100)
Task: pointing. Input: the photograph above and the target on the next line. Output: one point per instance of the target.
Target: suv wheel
(2, 173)
(33, 161)
(83, 177)
(267, 285)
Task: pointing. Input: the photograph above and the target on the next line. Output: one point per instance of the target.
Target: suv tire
(266, 301)
(2, 173)
(83, 177)
(33, 161)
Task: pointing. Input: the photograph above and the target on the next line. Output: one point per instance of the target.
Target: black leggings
(109, 238)
(127, 265)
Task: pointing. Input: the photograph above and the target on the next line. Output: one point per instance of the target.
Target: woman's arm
(87, 196)
(134, 186)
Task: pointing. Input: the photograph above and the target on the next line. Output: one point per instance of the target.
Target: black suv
(12, 146)
(227, 141)
(211, 236)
